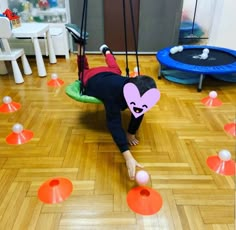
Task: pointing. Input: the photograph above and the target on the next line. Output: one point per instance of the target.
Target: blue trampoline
(220, 61)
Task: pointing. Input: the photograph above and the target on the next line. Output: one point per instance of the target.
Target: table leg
(39, 58)
(52, 56)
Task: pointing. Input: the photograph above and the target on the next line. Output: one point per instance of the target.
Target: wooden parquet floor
(71, 140)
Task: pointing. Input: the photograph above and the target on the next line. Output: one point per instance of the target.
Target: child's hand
(132, 139)
(131, 164)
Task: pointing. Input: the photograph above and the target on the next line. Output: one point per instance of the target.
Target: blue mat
(181, 76)
(226, 77)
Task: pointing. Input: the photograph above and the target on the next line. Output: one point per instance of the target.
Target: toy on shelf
(13, 17)
(43, 4)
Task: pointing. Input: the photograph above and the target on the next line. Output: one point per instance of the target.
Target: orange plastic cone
(230, 128)
(211, 100)
(222, 163)
(144, 200)
(19, 135)
(135, 72)
(55, 190)
(9, 106)
(55, 81)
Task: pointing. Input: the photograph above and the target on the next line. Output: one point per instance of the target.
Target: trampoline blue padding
(181, 77)
(219, 61)
(228, 78)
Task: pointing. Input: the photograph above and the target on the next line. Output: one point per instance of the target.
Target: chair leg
(26, 66)
(17, 73)
(3, 68)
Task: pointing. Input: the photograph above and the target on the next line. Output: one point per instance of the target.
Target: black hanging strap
(83, 37)
(125, 33)
(82, 47)
(134, 35)
(194, 16)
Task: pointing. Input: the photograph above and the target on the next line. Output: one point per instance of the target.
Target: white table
(35, 30)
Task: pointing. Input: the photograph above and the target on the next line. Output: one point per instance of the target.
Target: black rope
(134, 35)
(82, 47)
(194, 16)
(83, 37)
(125, 33)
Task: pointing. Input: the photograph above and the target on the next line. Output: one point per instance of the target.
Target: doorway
(114, 32)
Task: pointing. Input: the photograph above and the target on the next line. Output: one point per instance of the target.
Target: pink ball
(142, 177)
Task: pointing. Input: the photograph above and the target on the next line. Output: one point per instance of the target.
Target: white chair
(8, 54)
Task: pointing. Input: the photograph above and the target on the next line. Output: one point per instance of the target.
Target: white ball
(174, 50)
(204, 56)
(180, 48)
(213, 94)
(54, 76)
(142, 177)
(7, 100)
(206, 51)
(17, 128)
(136, 69)
(224, 155)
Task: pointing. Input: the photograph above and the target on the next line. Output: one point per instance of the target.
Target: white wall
(223, 32)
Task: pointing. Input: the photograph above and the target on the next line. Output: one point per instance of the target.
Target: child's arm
(114, 124)
(131, 164)
(132, 129)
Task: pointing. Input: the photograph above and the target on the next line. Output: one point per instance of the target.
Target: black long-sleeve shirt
(108, 87)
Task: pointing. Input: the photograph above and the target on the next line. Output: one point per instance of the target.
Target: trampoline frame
(163, 56)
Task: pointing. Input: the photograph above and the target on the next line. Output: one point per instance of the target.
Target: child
(106, 84)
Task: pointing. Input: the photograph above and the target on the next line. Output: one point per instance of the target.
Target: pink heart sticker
(139, 105)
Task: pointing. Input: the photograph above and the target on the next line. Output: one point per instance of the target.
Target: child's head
(143, 83)
(141, 94)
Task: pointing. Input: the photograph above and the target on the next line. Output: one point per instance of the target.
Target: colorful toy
(14, 18)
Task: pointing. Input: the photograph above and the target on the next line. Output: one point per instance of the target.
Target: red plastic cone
(144, 200)
(19, 135)
(55, 81)
(222, 163)
(9, 106)
(134, 73)
(230, 128)
(55, 190)
(211, 100)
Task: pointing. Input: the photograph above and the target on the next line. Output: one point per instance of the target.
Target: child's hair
(143, 83)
